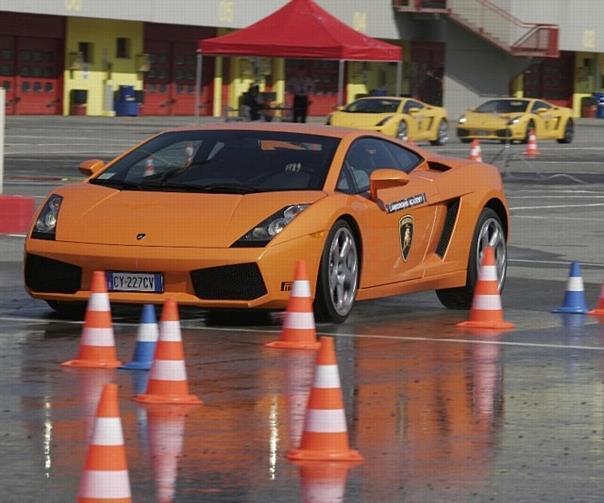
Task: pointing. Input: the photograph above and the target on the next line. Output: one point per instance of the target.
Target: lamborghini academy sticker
(408, 202)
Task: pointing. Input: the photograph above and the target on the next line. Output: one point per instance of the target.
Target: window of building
(122, 48)
(85, 49)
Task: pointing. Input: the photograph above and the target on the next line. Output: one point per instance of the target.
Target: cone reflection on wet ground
(323, 482)
(91, 383)
(166, 424)
(299, 366)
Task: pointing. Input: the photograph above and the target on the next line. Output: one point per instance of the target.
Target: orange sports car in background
(216, 217)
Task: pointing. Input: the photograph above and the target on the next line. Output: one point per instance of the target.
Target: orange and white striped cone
(298, 331)
(168, 378)
(486, 311)
(166, 437)
(97, 344)
(475, 151)
(325, 435)
(323, 482)
(599, 311)
(531, 150)
(105, 477)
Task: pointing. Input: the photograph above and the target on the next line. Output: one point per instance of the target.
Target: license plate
(135, 282)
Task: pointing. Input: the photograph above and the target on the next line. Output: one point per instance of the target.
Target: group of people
(300, 86)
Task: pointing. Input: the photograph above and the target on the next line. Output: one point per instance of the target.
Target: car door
(544, 117)
(397, 228)
(417, 111)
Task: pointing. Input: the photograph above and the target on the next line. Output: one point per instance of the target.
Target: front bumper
(512, 133)
(189, 273)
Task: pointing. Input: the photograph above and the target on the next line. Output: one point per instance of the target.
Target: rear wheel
(338, 275)
(488, 232)
(442, 135)
(569, 132)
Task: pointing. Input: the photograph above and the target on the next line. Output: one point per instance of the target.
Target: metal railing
(494, 24)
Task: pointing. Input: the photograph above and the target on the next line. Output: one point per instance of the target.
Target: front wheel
(488, 232)
(442, 134)
(569, 132)
(338, 275)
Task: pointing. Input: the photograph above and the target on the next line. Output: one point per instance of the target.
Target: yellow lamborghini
(403, 118)
(513, 118)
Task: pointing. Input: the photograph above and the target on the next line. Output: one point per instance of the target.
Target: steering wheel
(267, 176)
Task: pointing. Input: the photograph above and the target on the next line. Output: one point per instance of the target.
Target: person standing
(301, 87)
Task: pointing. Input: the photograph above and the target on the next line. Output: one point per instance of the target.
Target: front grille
(462, 132)
(231, 282)
(445, 237)
(503, 133)
(47, 275)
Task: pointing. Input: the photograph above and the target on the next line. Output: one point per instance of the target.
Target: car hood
(359, 120)
(477, 119)
(101, 215)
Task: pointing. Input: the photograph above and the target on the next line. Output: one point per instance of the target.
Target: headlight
(384, 120)
(513, 121)
(462, 120)
(46, 224)
(266, 230)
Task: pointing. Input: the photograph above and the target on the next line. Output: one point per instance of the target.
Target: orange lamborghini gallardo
(216, 217)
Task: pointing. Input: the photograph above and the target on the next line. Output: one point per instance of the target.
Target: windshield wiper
(223, 188)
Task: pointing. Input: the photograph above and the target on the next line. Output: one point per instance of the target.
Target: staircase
(492, 23)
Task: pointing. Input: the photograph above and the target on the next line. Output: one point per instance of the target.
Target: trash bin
(126, 104)
(589, 107)
(599, 97)
(78, 101)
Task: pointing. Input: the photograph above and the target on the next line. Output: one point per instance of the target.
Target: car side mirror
(414, 110)
(541, 111)
(386, 178)
(91, 166)
(337, 108)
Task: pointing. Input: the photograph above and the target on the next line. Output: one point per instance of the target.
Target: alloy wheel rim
(343, 271)
(491, 234)
(443, 134)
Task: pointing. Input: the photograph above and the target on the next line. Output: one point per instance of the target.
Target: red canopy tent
(300, 29)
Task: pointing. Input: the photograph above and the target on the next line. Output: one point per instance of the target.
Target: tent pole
(340, 82)
(198, 85)
(399, 77)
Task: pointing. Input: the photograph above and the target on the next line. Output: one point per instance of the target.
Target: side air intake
(445, 237)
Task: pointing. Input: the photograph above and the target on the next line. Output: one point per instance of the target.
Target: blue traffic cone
(146, 338)
(574, 297)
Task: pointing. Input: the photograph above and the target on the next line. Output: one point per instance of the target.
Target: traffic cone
(97, 344)
(531, 150)
(149, 167)
(105, 477)
(475, 151)
(298, 331)
(574, 296)
(146, 339)
(486, 311)
(168, 379)
(599, 311)
(166, 438)
(325, 435)
(323, 482)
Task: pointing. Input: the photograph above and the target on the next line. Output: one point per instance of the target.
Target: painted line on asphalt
(556, 218)
(555, 262)
(549, 207)
(402, 338)
(578, 196)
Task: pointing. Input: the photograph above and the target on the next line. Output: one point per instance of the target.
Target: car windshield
(373, 106)
(503, 107)
(220, 161)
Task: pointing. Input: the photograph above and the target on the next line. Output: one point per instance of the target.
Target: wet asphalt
(439, 414)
